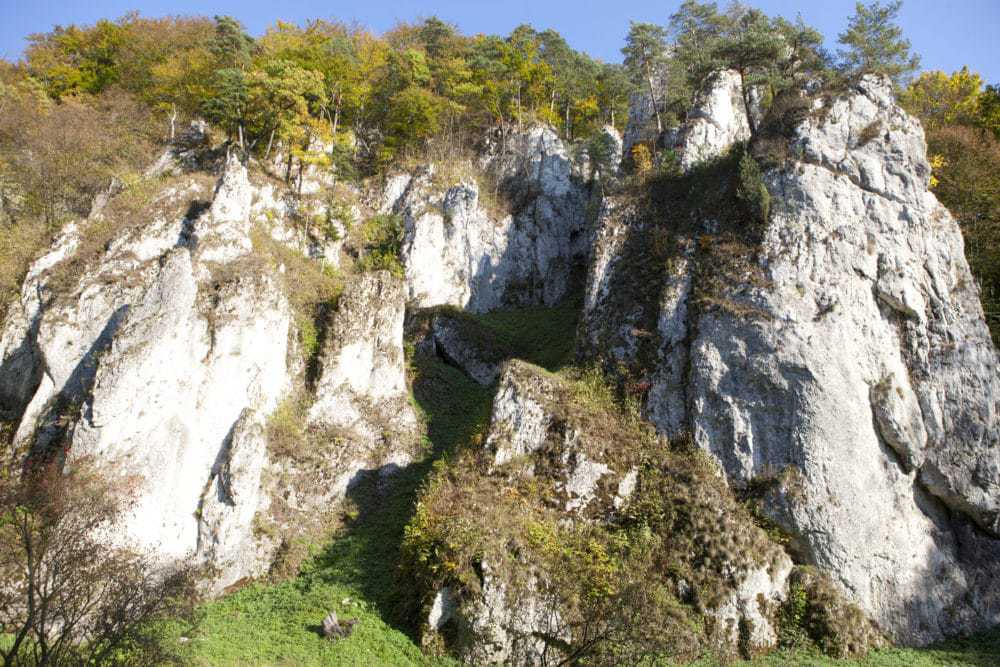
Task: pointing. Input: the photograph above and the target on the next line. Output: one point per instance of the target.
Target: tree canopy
(874, 43)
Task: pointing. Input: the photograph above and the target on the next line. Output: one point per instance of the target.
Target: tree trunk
(569, 131)
(173, 121)
(747, 106)
(270, 141)
(652, 97)
(336, 113)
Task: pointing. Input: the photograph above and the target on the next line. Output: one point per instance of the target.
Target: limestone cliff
(156, 346)
(848, 369)
(524, 251)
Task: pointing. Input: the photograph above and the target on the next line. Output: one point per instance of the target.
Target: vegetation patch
(625, 585)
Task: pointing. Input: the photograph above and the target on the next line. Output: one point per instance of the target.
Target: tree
(226, 106)
(231, 46)
(233, 50)
(280, 97)
(939, 99)
(76, 60)
(874, 43)
(988, 112)
(413, 117)
(66, 597)
(645, 51)
(613, 88)
(695, 29)
(969, 185)
(754, 49)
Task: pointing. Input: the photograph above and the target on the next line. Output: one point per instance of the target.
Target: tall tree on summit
(645, 49)
(875, 43)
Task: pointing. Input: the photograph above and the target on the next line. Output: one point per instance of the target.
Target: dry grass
(20, 244)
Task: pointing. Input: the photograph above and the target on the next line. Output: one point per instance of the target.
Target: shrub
(816, 613)
(751, 190)
(642, 159)
(67, 597)
(380, 239)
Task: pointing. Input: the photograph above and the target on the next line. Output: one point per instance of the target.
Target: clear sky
(946, 33)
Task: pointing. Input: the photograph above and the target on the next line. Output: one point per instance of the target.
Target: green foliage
(815, 615)
(380, 237)
(964, 150)
(226, 106)
(938, 99)
(874, 43)
(601, 150)
(645, 51)
(73, 60)
(771, 55)
(989, 110)
(751, 190)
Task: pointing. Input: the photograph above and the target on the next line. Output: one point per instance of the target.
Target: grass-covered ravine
(357, 571)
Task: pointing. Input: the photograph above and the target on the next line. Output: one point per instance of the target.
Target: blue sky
(946, 33)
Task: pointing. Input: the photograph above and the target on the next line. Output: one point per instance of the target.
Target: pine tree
(645, 50)
(875, 43)
(754, 49)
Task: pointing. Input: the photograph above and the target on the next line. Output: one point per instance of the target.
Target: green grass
(356, 574)
(542, 336)
(982, 650)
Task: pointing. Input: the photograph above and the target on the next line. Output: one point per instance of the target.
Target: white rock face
(861, 379)
(362, 389)
(235, 495)
(455, 252)
(228, 235)
(717, 121)
(152, 364)
(508, 628)
(163, 358)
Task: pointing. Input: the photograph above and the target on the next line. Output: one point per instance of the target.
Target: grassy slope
(355, 574)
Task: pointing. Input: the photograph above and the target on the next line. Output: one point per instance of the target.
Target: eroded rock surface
(159, 355)
(458, 252)
(717, 120)
(856, 377)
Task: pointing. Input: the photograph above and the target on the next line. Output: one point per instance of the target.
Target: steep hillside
(488, 388)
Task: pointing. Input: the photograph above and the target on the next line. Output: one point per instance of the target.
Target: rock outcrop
(717, 120)
(361, 396)
(459, 252)
(156, 350)
(854, 377)
(585, 462)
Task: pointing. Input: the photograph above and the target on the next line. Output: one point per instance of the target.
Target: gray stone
(455, 252)
(859, 366)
